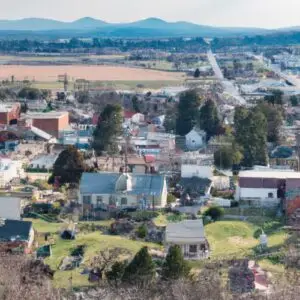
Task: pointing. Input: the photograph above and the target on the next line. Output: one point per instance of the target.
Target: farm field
(88, 72)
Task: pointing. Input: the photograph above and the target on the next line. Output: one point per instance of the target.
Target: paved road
(294, 81)
(227, 85)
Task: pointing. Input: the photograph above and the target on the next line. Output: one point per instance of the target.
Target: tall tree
(227, 156)
(108, 129)
(170, 121)
(294, 100)
(188, 109)
(141, 269)
(251, 134)
(274, 119)
(135, 104)
(208, 119)
(68, 167)
(175, 266)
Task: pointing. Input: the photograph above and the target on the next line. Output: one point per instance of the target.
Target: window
(87, 199)
(123, 201)
(99, 199)
(193, 248)
(270, 195)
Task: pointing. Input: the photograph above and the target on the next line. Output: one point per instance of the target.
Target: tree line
(40, 46)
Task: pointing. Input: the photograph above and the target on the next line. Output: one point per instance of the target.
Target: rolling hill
(89, 27)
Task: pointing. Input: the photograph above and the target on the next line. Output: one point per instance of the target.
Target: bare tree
(24, 278)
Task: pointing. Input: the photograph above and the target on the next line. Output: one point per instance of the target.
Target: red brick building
(51, 122)
(9, 113)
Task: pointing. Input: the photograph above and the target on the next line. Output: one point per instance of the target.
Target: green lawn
(94, 241)
(227, 239)
(235, 239)
(42, 226)
(130, 85)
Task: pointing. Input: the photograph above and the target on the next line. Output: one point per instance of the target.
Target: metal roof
(15, 230)
(105, 183)
(278, 174)
(187, 231)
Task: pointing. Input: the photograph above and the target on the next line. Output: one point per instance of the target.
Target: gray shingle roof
(187, 231)
(15, 230)
(104, 183)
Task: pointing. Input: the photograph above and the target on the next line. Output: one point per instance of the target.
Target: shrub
(234, 203)
(78, 251)
(142, 231)
(215, 212)
(171, 199)
(143, 216)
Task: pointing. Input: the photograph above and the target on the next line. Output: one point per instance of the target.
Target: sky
(242, 13)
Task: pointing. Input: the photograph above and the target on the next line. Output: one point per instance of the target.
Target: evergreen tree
(197, 73)
(170, 122)
(141, 269)
(109, 128)
(227, 156)
(69, 166)
(294, 100)
(115, 274)
(251, 134)
(135, 104)
(175, 266)
(209, 119)
(274, 119)
(188, 109)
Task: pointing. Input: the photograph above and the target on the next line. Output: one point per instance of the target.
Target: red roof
(95, 119)
(128, 114)
(149, 158)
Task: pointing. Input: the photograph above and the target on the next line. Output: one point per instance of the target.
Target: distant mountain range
(89, 27)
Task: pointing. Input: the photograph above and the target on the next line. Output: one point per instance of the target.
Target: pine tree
(208, 119)
(197, 73)
(175, 266)
(115, 274)
(141, 269)
(187, 112)
(109, 128)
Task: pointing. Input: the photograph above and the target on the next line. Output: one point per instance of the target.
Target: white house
(190, 236)
(138, 118)
(195, 139)
(105, 190)
(266, 185)
(194, 164)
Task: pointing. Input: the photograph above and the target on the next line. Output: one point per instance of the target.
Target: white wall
(189, 171)
(256, 193)
(10, 208)
(11, 171)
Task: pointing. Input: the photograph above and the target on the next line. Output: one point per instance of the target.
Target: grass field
(227, 239)
(114, 84)
(94, 241)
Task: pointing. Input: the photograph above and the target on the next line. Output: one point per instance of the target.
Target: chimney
(2, 222)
